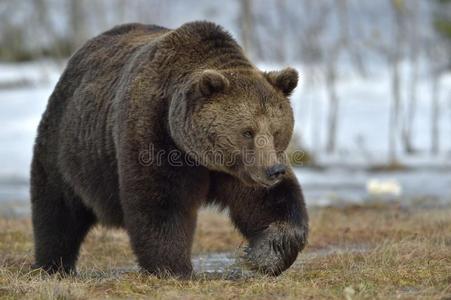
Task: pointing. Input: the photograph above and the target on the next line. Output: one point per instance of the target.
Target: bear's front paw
(276, 248)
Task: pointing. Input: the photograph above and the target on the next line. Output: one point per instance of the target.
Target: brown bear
(147, 124)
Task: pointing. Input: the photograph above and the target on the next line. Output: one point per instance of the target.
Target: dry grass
(355, 252)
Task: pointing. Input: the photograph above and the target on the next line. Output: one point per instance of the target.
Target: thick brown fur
(187, 97)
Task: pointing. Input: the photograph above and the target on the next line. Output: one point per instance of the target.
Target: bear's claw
(275, 249)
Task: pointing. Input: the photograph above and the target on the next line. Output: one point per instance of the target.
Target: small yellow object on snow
(384, 187)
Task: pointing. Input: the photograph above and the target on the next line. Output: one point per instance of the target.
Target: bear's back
(133, 27)
(76, 129)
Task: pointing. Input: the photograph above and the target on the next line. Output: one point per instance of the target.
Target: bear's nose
(276, 171)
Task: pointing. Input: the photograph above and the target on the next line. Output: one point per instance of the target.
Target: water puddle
(222, 265)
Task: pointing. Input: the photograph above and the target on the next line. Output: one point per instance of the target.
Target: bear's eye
(276, 137)
(248, 134)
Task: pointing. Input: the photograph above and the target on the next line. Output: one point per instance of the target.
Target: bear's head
(236, 121)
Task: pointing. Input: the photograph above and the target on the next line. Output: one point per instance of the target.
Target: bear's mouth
(254, 180)
(268, 184)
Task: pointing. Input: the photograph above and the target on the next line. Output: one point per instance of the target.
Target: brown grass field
(373, 251)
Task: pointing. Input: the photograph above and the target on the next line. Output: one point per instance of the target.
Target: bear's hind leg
(60, 222)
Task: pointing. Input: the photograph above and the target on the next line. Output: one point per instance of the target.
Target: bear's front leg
(274, 221)
(160, 207)
(161, 238)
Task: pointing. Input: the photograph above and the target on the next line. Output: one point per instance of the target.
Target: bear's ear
(211, 81)
(284, 80)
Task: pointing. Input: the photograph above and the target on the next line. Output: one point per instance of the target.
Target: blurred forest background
(375, 86)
